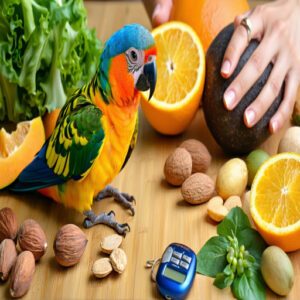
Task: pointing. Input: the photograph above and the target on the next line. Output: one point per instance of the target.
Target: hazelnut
(178, 167)
(69, 245)
(198, 188)
(200, 155)
(31, 237)
(8, 224)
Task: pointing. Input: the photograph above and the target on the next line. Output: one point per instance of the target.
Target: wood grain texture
(161, 216)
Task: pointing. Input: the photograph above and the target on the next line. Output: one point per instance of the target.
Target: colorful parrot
(96, 131)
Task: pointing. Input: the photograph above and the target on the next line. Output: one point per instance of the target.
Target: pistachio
(111, 242)
(102, 267)
(118, 260)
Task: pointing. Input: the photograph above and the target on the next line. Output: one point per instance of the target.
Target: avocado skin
(228, 127)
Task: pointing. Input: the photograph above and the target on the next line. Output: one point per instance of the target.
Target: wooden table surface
(161, 216)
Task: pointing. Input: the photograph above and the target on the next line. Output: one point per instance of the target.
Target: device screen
(172, 274)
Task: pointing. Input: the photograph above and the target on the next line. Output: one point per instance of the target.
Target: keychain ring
(152, 264)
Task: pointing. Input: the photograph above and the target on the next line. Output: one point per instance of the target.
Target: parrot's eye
(133, 55)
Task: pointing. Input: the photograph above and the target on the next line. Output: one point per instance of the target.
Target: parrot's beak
(147, 79)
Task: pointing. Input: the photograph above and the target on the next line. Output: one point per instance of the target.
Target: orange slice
(275, 201)
(180, 78)
(18, 149)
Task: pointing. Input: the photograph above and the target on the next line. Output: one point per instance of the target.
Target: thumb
(162, 11)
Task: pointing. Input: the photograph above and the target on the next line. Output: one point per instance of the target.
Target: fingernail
(225, 67)
(229, 97)
(250, 116)
(274, 126)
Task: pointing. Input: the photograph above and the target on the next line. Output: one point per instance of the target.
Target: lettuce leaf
(46, 52)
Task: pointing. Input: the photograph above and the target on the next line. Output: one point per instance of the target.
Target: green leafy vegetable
(213, 256)
(249, 287)
(233, 223)
(233, 257)
(46, 51)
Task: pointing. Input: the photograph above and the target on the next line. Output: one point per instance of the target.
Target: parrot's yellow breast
(119, 126)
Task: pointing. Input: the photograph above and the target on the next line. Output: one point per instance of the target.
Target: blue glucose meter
(176, 271)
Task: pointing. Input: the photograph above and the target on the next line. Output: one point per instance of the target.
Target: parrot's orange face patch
(122, 82)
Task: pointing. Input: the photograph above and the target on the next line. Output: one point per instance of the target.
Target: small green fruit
(253, 161)
(277, 270)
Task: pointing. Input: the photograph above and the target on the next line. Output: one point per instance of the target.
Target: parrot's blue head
(128, 64)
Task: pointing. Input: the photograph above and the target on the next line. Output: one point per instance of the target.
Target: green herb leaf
(249, 287)
(211, 259)
(235, 221)
(253, 242)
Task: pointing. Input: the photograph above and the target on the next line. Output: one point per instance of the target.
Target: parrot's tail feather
(36, 175)
(18, 186)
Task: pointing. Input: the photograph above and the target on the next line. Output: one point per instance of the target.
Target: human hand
(277, 26)
(161, 12)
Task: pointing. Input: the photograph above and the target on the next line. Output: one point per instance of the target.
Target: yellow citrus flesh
(275, 201)
(180, 78)
(17, 149)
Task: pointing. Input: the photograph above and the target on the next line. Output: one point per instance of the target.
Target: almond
(201, 157)
(31, 237)
(198, 188)
(118, 260)
(102, 267)
(22, 274)
(111, 242)
(69, 245)
(8, 224)
(178, 167)
(8, 256)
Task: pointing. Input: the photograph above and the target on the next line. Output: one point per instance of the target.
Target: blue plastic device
(176, 271)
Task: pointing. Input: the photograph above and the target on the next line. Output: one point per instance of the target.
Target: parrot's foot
(124, 199)
(107, 219)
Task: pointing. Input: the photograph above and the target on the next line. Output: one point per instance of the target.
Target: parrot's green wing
(132, 143)
(77, 139)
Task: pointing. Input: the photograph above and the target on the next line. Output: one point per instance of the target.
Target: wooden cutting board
(162, 217)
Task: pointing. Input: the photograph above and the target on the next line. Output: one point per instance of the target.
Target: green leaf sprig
(233, 257)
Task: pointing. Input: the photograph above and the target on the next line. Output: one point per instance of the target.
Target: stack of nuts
(33, 244)
(117, 259)
(69, 246)
(186, 167)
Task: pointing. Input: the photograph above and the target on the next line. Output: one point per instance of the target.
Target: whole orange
(208, 17)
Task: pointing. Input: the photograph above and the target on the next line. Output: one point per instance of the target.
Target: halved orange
(180, 78)
(275, 201)
(17, 149)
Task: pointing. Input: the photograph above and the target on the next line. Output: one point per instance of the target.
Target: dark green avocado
(228, 127)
